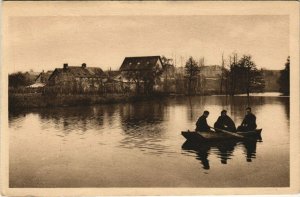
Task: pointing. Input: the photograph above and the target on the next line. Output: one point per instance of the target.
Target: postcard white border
(96, 8)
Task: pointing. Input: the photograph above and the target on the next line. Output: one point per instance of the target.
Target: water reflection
(235, 105)
(223, 150)
(250, 150)
(202, 152)
(143, 127)
(142, 140)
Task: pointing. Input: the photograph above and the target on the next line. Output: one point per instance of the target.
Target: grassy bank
(21, 101)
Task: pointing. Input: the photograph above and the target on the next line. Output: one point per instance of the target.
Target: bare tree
(168, 70)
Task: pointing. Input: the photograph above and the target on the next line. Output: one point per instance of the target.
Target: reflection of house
(140, 69)
(77, 79)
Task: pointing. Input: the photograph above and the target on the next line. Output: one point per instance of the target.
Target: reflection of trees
(141, 122)
(68, 119)
(196, 106)
(137, 115)
(111, 112)
(15, 115)
(73, 118)
(286, 103)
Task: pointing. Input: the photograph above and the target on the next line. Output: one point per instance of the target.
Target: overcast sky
(45, 43)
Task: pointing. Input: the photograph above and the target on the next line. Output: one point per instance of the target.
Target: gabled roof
(44, 74)
(211, 67)
(139, 63)
(113, 73)
(80, 72)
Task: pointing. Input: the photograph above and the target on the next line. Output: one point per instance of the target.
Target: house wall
(66, 84)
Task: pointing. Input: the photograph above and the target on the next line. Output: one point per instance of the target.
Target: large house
(141, 63)
(77, 79)
(137, 71)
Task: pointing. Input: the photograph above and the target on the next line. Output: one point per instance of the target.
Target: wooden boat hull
(219, 136)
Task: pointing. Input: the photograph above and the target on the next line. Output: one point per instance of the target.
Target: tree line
(19, 79)
(284, 79)
(239, 75)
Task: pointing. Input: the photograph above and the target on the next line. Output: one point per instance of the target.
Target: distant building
(115, 82)
(210, 77)
(208, 80)
(41, 80)
(114, 75)
(211, 71)
(77, 79)
(271, 80)
(31, 76)
(43, 77)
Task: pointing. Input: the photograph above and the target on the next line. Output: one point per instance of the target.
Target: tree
(18, 80)
(192, 71)
(244, 76)
(252, 78)
(150, 77)
(223, 77)
(135, 76)
(168, 70)
(284, 79)
(146, 77)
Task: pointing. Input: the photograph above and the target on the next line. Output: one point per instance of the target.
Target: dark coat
(225, 123)
(201, 124)
(249, 122)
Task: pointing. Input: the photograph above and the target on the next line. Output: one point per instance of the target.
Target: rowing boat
(220, 136)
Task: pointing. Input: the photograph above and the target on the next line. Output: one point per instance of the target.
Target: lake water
(140, 145)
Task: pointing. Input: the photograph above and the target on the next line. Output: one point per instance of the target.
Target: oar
(230, 133)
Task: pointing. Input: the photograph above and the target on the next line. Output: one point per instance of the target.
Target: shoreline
(38, 100)
(32, 101)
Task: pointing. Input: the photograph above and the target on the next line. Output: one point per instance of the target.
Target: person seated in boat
(249, 122)
(201, 124)
(224, 122)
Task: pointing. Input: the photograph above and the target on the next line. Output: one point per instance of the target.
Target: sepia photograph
(174, 95)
